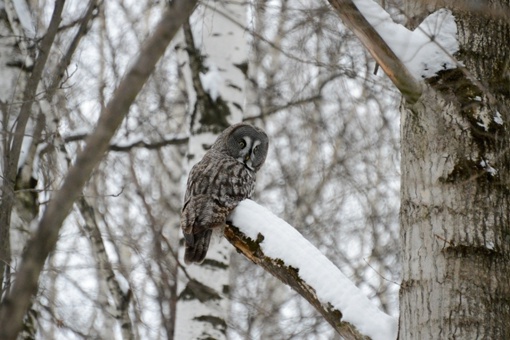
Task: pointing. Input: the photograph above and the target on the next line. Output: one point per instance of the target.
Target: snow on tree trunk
(455, 198)
(217, 50)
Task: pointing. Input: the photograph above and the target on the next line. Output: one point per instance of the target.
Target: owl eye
(255, 148)
(242, 144)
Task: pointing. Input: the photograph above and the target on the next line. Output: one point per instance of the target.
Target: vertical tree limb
(120, 297)
(165, 278)
(45, 238)
(13, 150)
(202, 307)
(63, 63)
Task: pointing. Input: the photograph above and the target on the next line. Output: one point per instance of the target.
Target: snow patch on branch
(426, 50)
(284, 242)
(123, 282)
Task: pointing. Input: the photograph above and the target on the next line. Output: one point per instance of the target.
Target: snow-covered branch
(405, 56)
(378, 48)
(281, 250)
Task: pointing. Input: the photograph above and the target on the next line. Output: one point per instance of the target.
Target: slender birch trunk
(216, 46)
(13, 57)
(455, 208)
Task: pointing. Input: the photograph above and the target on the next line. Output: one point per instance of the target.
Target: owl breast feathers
(218, 182)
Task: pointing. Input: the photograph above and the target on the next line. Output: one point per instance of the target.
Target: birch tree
(214, 67)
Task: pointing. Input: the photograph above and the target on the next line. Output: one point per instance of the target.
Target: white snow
(35, 169)
(489, 244)
(123, 282)
(25, 149)
(83, 131)
(197, 143)
(426, 50)
(487, 167)
(484, 125)
(498, 119)
(211, 81)
(284, 242)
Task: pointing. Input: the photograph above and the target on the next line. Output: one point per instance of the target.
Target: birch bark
(215, 73)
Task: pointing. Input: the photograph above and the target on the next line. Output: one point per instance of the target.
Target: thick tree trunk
(455, 211)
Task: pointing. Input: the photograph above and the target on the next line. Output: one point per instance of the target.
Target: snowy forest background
(332, 170)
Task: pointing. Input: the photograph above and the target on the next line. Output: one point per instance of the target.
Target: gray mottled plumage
(224, 177)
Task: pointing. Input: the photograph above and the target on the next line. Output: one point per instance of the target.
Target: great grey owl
(224, 177)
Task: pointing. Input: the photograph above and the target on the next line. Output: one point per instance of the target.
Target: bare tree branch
(389, 62)
(45, 238)
(136, 144)
(148, 145)
(165, 280)
(59, 72)
(121, 298)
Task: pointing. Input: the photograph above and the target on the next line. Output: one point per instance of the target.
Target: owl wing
(198, 251)
(201, 213)
(215, 186)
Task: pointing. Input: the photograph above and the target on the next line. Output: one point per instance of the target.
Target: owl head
(246, 143)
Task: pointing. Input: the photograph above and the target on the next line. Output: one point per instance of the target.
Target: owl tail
(196, 251)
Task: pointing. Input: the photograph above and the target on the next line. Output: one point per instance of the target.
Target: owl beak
(247, 162)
